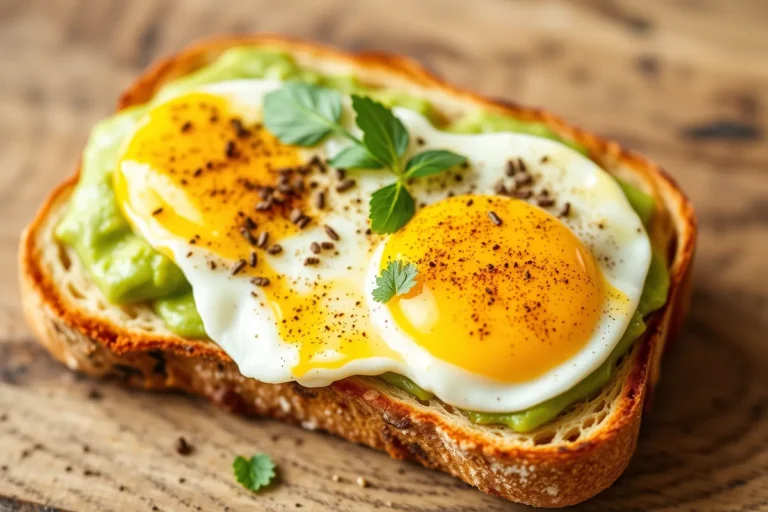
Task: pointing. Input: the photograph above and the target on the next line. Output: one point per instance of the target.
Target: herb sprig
(397, 279)
(304, 114)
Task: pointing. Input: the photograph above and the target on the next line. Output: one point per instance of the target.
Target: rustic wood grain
(685, 82)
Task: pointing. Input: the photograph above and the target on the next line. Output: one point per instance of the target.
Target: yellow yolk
(196, 171)
(331, 323)
(201, 172)
(508, 300)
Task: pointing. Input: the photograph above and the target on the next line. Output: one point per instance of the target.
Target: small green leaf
(301, 114)
(431, 162)
(384, 136)
(254, 473)
(354, 157)
(391, 208)
(397, 279)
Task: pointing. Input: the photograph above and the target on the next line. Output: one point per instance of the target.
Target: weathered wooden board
(683, 81)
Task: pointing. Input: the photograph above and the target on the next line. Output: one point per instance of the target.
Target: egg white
(235, 320)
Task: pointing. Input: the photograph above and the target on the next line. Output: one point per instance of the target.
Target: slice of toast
(563, 462)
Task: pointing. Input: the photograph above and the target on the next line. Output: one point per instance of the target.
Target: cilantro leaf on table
(254, 473)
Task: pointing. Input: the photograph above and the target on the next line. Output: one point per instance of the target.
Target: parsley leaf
(355, 157)
(391, 208)
(398, 278)
(431, 162)
(254, 473)
(302, 114)
(384, 135)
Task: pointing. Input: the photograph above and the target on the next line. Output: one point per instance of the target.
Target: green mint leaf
(254, 473)
(384, 136)
(354, 157)
(398, 278)
(391, 208)
(301, 114)
(431, 162)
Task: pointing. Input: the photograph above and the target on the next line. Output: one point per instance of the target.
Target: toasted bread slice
(563, 462)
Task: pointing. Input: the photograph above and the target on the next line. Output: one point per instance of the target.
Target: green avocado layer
(128, 270)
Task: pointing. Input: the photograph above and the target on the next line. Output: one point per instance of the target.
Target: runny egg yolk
(504, 290)
(197, 171)
(331, 325)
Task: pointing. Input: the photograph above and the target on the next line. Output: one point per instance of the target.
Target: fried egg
(530, 259)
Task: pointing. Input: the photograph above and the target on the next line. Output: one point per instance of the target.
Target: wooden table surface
(683, 81)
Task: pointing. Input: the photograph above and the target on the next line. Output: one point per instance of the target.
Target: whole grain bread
(563, 462)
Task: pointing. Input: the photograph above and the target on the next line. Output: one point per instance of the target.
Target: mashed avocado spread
(128, 270)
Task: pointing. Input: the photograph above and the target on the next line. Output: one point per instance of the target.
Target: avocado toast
(560, 462)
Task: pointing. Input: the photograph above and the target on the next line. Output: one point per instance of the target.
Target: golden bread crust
(364, 410)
